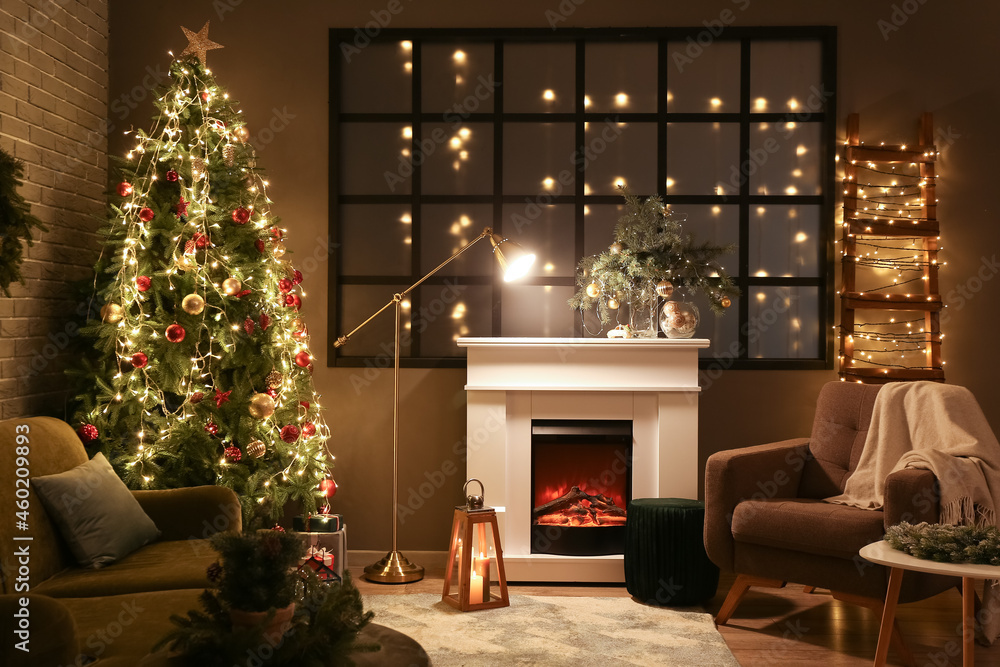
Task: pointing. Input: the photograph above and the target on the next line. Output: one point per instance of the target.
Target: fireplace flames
(576, 507)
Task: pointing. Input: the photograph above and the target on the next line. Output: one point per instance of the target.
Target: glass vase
(679, 319)
(642, 317)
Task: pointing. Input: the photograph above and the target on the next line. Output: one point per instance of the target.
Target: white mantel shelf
(652, 382)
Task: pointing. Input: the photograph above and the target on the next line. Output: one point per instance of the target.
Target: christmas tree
(651, 256)
(202, 372)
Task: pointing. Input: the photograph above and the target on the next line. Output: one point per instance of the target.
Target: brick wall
(53, 116)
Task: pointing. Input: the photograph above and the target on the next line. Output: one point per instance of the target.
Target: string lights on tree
(198, 373)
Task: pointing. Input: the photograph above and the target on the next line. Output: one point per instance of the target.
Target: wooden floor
(787, 627)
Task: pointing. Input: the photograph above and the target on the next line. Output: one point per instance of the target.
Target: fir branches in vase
(649, 257)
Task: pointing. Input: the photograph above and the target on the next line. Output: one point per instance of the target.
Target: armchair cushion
(807, 525)
(96, 513)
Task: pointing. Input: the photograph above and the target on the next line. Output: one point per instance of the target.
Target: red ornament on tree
(293, 300)
(200, 240)
(222, 397)
(212, 427)
(302, 359)
(146, 214)
(285, 285)
(265, 321)
(304, 404)
(296, 277)
(196, 397)
(88, 433)
(290, 433)
(124, 189)
(175, 333)
(241, 216)
(242, 294)
(277, 233)
(249, 326)
(328, 488)
(142, 283)
(272, 392)
(233, 454)
(189, 247)
(204, 96)
(182, 207)
(139, 360)
(308, 429)
(259, 244)
(171, 176)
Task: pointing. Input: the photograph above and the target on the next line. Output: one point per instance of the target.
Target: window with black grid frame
(438, 134)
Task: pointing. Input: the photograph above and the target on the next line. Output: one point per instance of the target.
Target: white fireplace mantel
(511, 381)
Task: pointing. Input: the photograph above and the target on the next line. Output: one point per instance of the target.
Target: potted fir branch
(257, 578)
(16, 222)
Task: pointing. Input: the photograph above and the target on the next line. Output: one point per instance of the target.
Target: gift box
(326, 550)
(316, 523)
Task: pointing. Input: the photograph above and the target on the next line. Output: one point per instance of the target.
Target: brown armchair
(766, 521)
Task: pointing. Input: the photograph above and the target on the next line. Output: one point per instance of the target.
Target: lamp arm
(341, 341)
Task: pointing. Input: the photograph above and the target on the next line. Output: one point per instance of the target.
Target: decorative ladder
(879, 214)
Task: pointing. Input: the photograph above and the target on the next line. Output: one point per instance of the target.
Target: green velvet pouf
(665, 559)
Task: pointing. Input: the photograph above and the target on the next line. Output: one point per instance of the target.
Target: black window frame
(825, 36)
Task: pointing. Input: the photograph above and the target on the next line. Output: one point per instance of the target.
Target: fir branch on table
(947, 543)
(653, 247)
(16, 222)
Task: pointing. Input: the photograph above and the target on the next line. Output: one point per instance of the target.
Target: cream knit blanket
(936, 427)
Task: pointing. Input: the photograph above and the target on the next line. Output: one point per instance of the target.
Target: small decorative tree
(650, 256)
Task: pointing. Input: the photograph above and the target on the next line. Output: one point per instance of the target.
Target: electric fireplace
(580, 486)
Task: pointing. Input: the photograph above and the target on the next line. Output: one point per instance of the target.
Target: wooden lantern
(474, 560)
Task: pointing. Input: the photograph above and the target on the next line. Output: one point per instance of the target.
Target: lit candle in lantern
(479, 588)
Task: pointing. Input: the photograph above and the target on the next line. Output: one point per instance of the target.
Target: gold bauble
(112, 313)
(274, 379)
(231, 286)
(297, 324)
(615, 248)
(242, 134)
(593, 290)
(726, 302)
(613, 303)
(665, 288)
(261, 406)
(256, 449)
(193, 304)
(278, 250)
(184, 262)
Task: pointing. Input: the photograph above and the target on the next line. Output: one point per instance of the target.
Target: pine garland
(947, 543)
(16, 222)
(650, 245)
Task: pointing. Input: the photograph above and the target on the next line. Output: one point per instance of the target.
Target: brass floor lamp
(514, 262)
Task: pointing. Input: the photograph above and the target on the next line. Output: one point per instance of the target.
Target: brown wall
(940, 59)
(53, 105)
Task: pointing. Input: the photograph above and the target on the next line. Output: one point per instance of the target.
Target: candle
(480, 581)
(476, 589)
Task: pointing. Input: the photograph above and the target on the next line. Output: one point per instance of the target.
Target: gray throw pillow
(96, 513)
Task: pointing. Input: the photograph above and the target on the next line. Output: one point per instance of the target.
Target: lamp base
(395, 568)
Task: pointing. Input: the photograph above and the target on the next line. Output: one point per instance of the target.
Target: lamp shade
(514, 260)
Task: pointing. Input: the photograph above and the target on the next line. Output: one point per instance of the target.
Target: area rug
(554, 631)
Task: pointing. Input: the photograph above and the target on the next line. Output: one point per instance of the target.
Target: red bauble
(200, 240)
(277, 233)
(308, 429)
(328, 488)
(265, 321)
(249, 326)
(285, 285)
(290, 433)
(189, 247)
(296, 277)
(171, 176)
(259, 244)
(272, 392)
(196, 397)
(139, 360)
(302, 359)
(88, 433)
(293, 301)
(204, 96)
(233, 454)
(304, 404)
(146, 214)
(142, 283)
(124, 189)
(175, 333)
(212, 427)
(241, 216)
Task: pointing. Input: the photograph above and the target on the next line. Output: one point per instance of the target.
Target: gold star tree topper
(199, 43)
